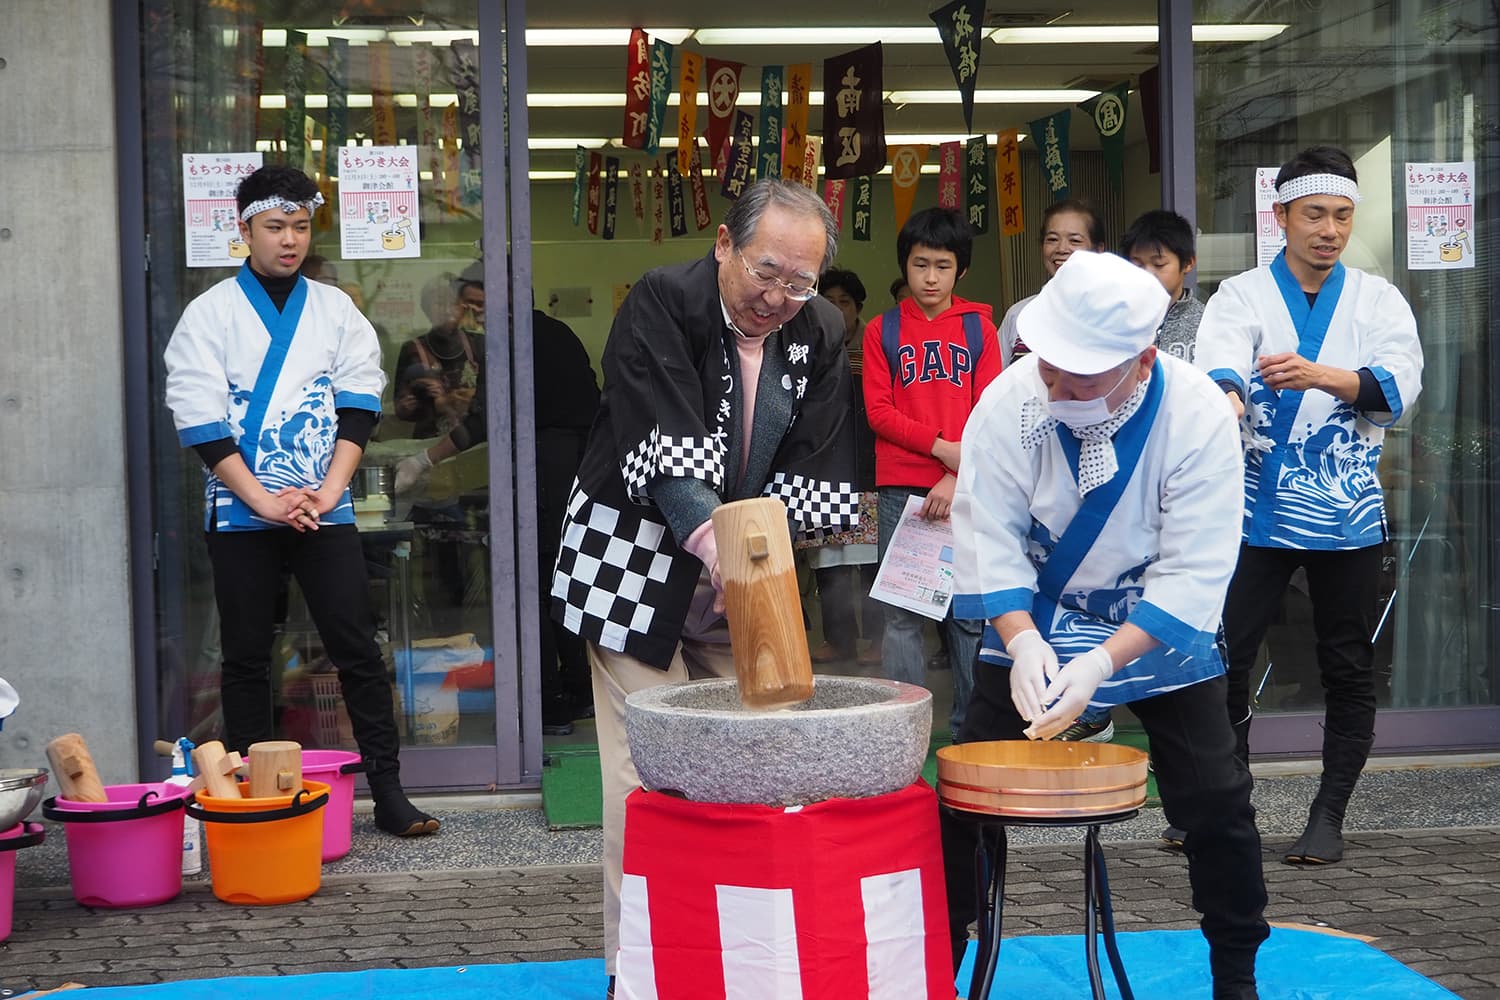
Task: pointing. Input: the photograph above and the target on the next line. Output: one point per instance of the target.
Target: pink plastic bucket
(127, 851)
(336, 769)
(12, 840)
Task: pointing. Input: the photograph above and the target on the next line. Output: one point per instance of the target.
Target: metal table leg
(1096, 879)
(989, 881)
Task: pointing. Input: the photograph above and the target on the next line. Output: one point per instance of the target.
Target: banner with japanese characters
(1440, 223)
(702, 216)
(1269, 236)
(1051, 137)
(798, 99)
(723, 88)
(687, 111)
(853, 113)
(337, 115)
(1107, 110)
(977, 183)
(465, 73)
(427, 136)
(638, 194)
(958, 25)
(906, 171)
(950, 174)
(741, 156)
(833, 197)
(812, 148)
(209, 183)
(378, 216)
(580, 181)
(595, 192)
(769, 164)
(661, 87)
(1008, 182)
(294, 86)
(658, 201)
(859, 221)
(611, 194)
(637, 89)
(382, 93)
(676, 203)
(450, 194)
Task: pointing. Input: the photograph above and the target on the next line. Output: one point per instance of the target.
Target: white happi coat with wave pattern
(272, 381)
(1311, 459)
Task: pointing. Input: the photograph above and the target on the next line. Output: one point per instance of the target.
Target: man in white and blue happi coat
(1094, 526)
(724, 379)
(1320, 358)
(275, 381)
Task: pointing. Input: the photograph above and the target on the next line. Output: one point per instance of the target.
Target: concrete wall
(64, 598)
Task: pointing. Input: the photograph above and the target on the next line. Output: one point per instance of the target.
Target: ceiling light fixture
(816, 36)
(1059, 96)
(600, 36)
(1129, 34)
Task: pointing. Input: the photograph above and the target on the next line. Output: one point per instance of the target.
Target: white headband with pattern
(1301, 187)
(276, 201)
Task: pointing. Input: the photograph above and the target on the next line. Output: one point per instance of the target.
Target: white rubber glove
(1035, 665)
(1070, 691)
(412, 472)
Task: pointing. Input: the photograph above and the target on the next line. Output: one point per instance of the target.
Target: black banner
(853, 115)
(977, 183)
(741, 155)
(958, 26)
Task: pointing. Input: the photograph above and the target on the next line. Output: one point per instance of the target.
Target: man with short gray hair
(724, 379)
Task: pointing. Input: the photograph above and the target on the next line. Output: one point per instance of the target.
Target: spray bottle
(192, 829)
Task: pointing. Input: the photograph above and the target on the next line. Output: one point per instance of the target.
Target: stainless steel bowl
(21, 788)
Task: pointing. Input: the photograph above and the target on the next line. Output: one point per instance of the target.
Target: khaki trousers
(703, 652)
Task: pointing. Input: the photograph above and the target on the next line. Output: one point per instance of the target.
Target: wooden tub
(1042, 780)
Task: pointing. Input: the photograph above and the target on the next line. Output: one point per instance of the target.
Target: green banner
(769, 162)
(860, 218)
(977, 183)
(1107, 110)
(661, 86)
(1051, 137)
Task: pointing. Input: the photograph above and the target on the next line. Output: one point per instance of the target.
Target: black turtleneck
(354, 424)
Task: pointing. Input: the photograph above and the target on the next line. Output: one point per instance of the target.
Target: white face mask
(1084, 412)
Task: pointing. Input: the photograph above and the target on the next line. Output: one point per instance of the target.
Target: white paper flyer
(1440, 230)
(209, 181)
(917, 572)
(378, 202)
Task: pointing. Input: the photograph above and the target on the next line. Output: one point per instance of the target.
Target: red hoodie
(937, 387)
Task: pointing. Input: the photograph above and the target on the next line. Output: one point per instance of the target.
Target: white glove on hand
(1035, 665)
(412, 472)
(1070, 691)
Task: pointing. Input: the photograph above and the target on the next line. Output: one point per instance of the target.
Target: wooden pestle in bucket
(73, 767)
(771, 662)
(216, 769)
(275, 768)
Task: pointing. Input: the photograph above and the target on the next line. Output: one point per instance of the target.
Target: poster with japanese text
(1440, 228)
(1269, 236)
(917, 572)
(209, 181)
(378, 203)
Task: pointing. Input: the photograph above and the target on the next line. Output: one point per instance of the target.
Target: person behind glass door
(1068, 225)
(845, 564)
(925, 364)
(275, 381)
(1318, 359)
(724, 379)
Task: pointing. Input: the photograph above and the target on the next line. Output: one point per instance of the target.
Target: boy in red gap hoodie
(926, 363)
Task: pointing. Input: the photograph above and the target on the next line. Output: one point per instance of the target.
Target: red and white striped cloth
(839, 900)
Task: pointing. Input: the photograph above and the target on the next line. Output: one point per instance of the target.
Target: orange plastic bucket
(267, 850)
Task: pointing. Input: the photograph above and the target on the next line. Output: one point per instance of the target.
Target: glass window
(1394, 84)
(372, 92)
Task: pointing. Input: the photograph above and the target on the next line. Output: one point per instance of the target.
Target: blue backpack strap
(974, 334)
(890, 340)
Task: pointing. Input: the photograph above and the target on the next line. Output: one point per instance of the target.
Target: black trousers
(329, 566)
(566, 678)
(1205, 791)
(843, 596)
(1344, 590)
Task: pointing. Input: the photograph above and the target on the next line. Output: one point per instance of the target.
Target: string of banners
(668, 186)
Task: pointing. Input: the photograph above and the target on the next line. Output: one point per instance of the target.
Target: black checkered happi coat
(670, 407)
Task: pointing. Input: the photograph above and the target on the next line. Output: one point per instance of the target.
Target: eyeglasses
(796, 291)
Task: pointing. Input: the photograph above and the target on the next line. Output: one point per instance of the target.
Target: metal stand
(989, 883)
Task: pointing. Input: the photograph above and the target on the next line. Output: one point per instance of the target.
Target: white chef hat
(1096, 313)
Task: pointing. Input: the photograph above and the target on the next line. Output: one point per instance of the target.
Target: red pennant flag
(950, 178)
(637, 89)
(833, 197)
(723, 87)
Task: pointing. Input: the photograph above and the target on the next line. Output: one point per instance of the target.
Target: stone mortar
(856, 737)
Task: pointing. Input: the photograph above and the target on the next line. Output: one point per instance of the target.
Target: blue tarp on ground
(1293, 965)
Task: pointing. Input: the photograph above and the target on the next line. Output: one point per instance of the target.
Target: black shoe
(1173, 837)
(395, 814)
(557, 729)
(609, 994)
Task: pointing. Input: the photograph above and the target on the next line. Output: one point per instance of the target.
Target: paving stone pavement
(1430, 898)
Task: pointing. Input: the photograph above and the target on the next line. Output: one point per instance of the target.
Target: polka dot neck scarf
(1096, 458)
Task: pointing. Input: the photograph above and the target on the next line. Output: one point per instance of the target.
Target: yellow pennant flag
(798, 94)
(1008, 183)
(687, 111)
(906, 170)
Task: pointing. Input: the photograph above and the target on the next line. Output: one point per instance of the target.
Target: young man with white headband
(275, 381)
(1096, 539)
(1319, 359)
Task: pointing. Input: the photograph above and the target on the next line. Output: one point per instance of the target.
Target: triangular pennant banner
(906, 170)
(1051, 137)
(1107, 109)
(958, 25)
